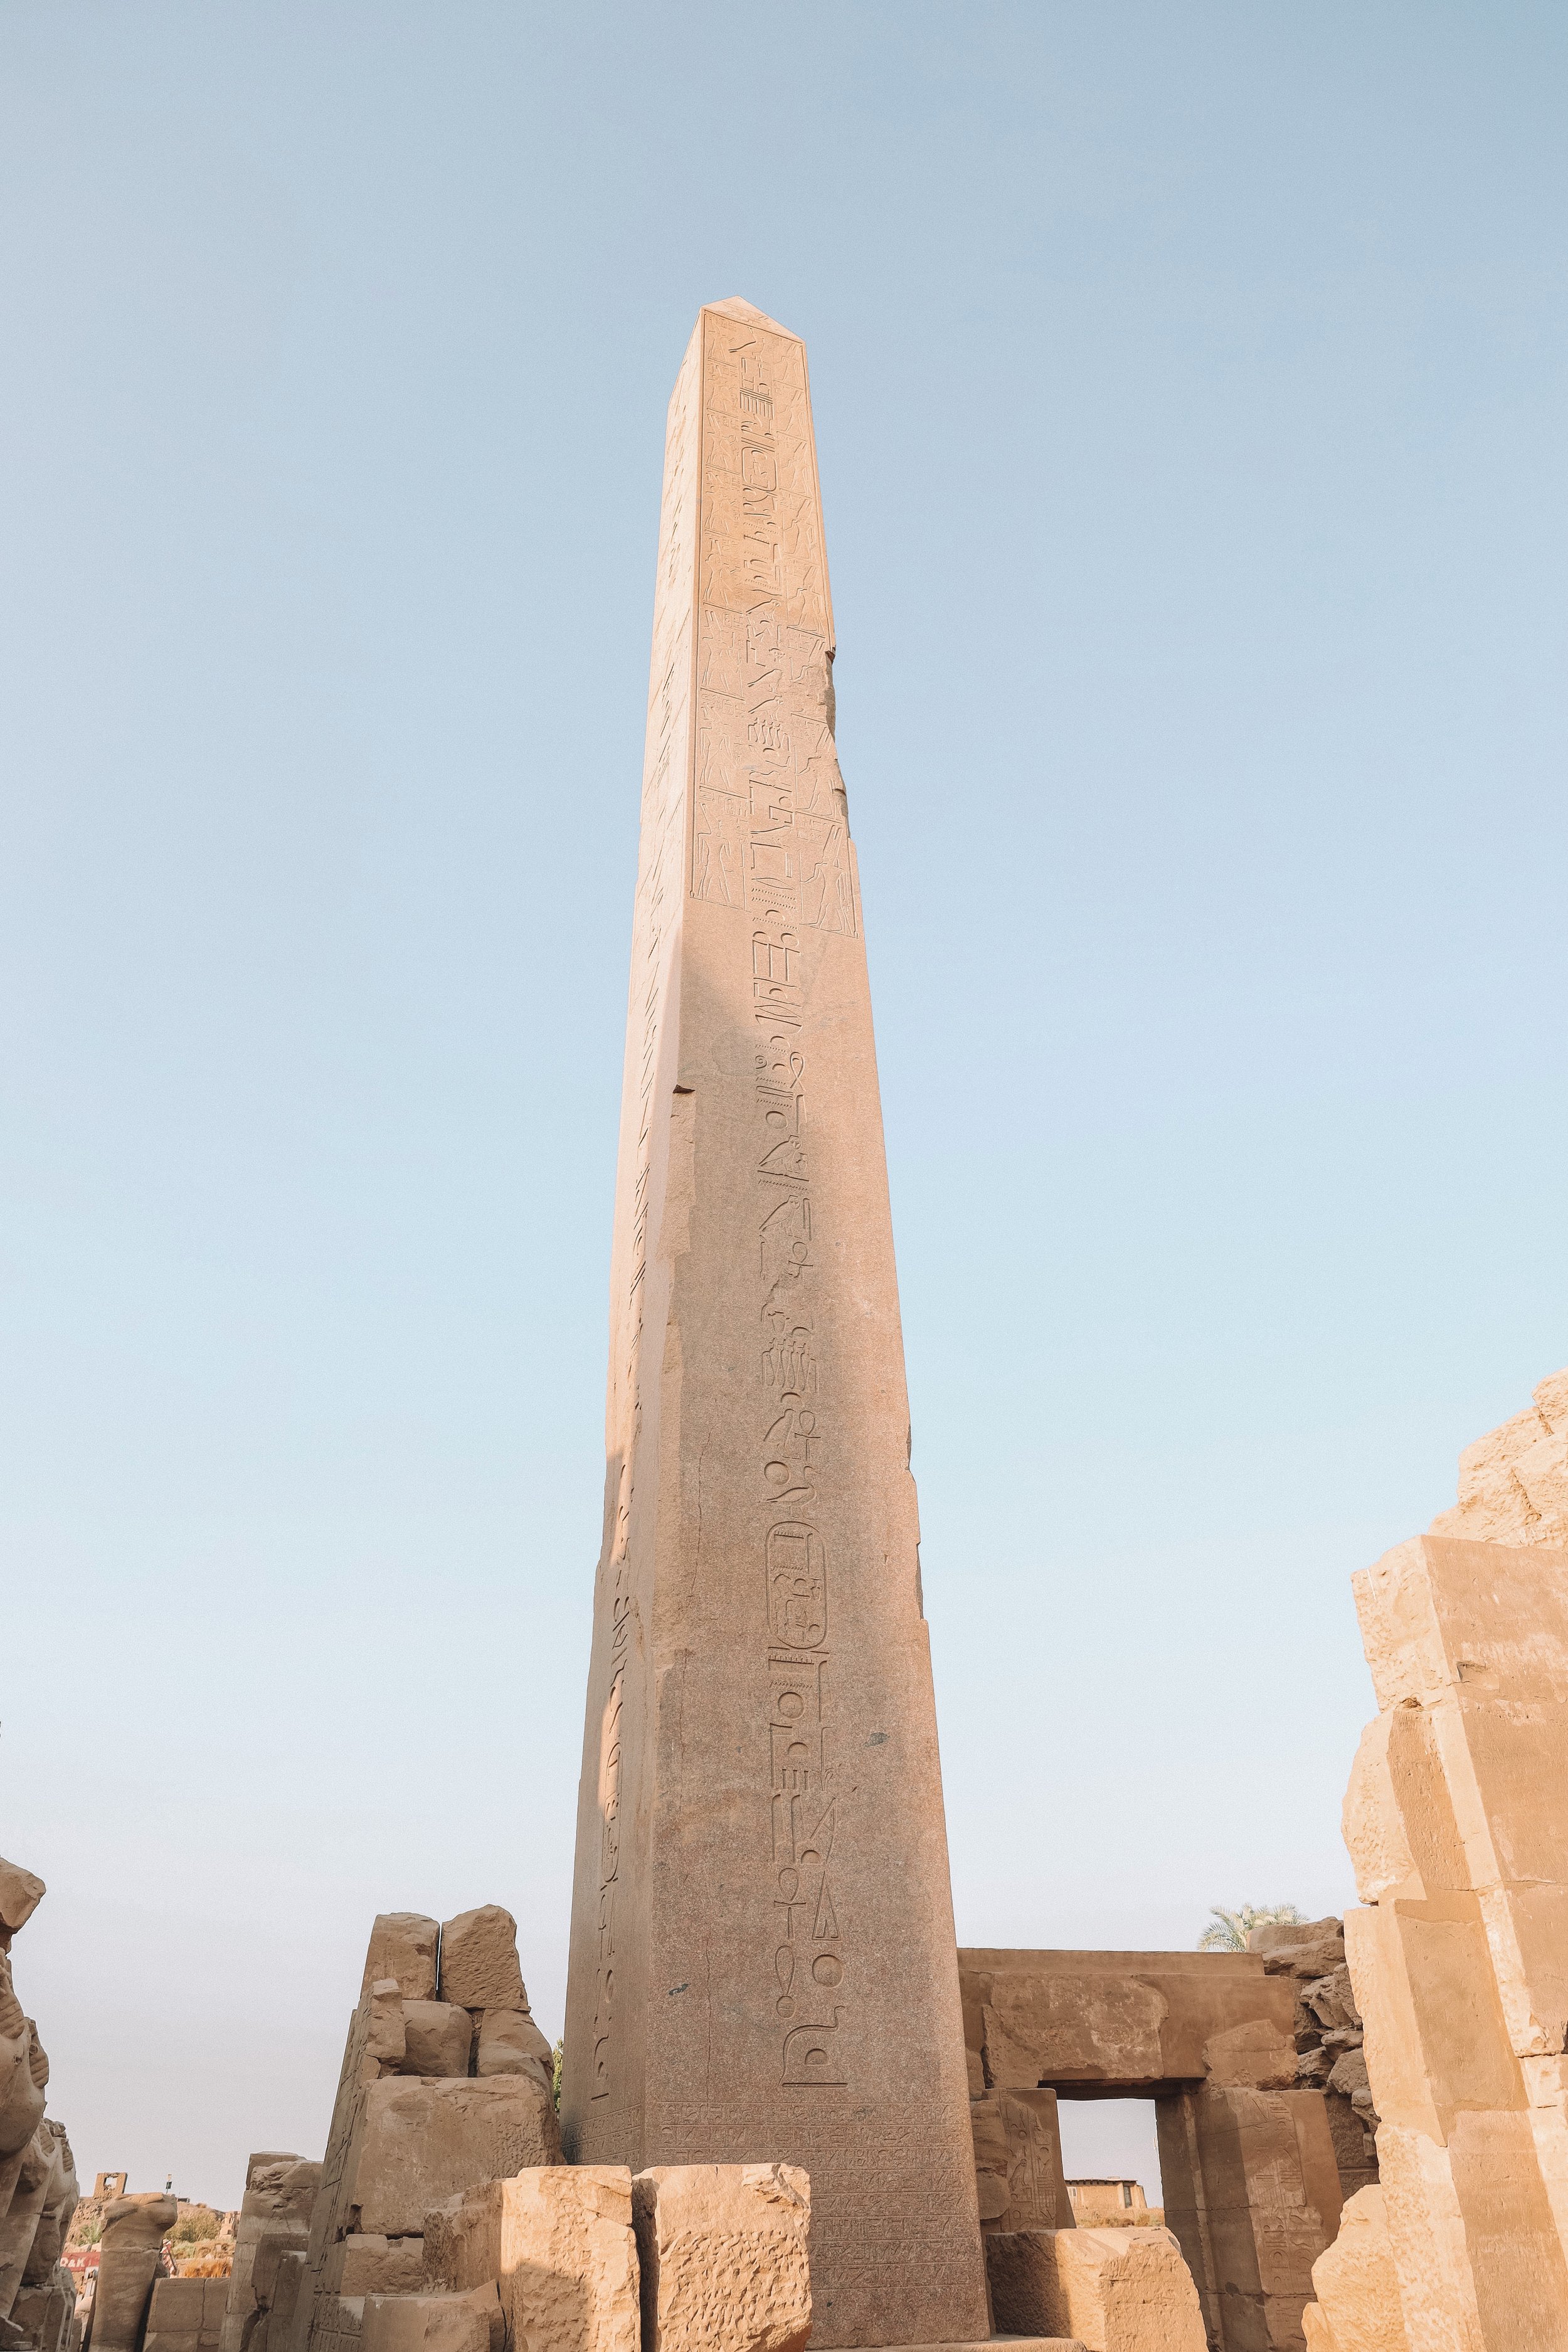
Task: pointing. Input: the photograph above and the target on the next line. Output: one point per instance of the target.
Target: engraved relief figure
(798, 1586)
(827, 887)
(716, 848)
(722, 665)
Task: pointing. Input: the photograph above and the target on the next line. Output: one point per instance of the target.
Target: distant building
(1096, 2202)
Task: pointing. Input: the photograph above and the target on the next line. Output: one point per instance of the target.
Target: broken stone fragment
(510, 2044)
(20, 1896)
(1331, 1999)
(722, 2250)
(438, 2036)
(403, 1943)
(1349, 2075)
(480, 1967)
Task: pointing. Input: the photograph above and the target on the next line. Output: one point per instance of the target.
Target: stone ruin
(791, 2108)
(38, 2173)
(1253, 2062)
(1457, 1823)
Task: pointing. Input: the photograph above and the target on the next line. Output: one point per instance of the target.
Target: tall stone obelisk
(762, 1953)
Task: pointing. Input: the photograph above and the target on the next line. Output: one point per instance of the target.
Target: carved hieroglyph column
(762, 1953)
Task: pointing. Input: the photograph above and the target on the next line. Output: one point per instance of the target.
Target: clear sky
(1189, 388)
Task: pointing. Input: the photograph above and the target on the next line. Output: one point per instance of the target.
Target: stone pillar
(1457, 1821)
(275, 2212)
(1252, 2192)
(762, 1960)
(134, 2229)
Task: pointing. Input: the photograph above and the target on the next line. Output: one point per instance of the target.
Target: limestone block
(470, 2322)
(387, 2030)
(185, 2314)
(417, 2143)
(1114, 2289)
(1355, 2283)
(1291, 1935)
(480, 1967)
(510, 2044)
(723, 2256)
(362, 2264)
(134, 2229)
(437, 2038)
(404, 1944)
(1018, 2161)
(559, 2241)
(20, 1896)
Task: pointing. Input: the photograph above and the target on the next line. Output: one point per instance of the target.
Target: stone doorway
(1107, 2145)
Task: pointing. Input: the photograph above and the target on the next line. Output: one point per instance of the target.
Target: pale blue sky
(1189, 391)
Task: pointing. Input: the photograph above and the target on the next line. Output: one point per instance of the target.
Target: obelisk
(762, 1957)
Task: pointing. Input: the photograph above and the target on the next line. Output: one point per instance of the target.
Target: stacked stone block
(187, 2314)
(1457, 1821)
(447, 2083)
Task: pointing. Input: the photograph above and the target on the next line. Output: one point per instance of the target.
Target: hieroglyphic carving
(667, 760)
(768, 832)
(770, 829)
